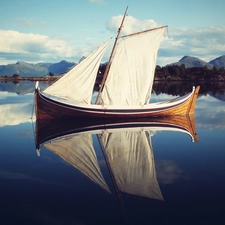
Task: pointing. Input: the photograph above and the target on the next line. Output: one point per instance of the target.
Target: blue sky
(54, 30)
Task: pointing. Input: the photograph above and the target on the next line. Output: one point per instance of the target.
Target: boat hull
(47, 108)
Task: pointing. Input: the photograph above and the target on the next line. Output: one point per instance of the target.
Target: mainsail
(131, 161)
(79, 152)
(77, 85)
(131, 74)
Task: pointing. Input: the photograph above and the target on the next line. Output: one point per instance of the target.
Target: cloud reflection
(210, 113)
(167, 171)
(14, 114)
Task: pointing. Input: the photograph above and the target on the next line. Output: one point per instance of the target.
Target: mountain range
(42, 69)
(190, 61)
(25, 69)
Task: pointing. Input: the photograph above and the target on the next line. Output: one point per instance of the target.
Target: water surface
(166, 179)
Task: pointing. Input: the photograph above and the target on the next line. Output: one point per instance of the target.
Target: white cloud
(23, 21)
(16, 46)
(16, 42)
(98, 1)
(28, 22)
(131, 24)
(206, 43)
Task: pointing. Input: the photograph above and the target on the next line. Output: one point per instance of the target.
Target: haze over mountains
(42, 69)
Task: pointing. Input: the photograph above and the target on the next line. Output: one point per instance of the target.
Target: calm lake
(154, 172)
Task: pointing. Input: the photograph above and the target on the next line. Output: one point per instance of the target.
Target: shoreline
(98, 81)
(46, 78)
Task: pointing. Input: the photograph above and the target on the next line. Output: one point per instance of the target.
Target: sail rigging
(78, 84)
(131, 74)
(126, 87)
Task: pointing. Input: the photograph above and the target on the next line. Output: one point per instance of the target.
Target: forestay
(78, 84)
(131, 75)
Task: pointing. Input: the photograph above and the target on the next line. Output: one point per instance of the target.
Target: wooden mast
(110, 58)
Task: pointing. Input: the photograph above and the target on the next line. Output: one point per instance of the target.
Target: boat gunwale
(153, 107)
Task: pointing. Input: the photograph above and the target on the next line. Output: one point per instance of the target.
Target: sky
(50, 31)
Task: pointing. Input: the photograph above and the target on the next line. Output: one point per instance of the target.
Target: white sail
(78, 151)
(78, 83)
(131, 74)
(131, 160)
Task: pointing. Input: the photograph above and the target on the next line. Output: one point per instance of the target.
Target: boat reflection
(126, 147)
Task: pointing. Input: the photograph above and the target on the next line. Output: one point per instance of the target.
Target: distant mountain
(190, 61)
(61, 67)
(2, 67)
(40, 69)
(218, 62)
(25, 69)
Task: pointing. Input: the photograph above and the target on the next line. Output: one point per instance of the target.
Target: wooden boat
(126, 86)
(126, 147)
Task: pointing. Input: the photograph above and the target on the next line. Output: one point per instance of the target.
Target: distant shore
(98, 80)
(18, 79)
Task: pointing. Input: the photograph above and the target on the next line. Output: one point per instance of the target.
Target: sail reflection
(130, 156)
(126, 146)
(78, 151)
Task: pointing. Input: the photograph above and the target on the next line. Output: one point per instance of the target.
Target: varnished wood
(49, 109)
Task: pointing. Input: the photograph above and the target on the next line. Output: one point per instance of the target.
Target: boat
(126, 87)
(126, 148)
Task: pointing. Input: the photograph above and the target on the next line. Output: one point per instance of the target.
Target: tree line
(181, 73)
(175, 72)
(171, 72)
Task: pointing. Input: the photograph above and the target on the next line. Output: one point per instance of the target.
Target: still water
(158, 172)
